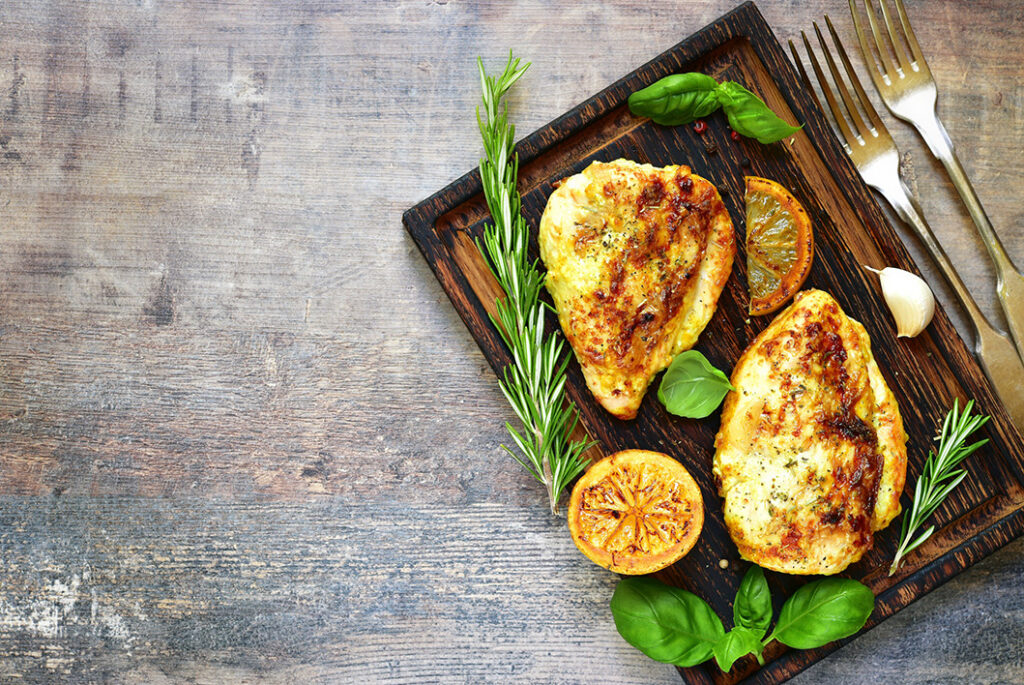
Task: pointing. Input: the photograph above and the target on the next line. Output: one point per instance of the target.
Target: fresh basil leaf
(737, 643)
(692, 387)
(676, 99)
(749, 116)
(752, 607)
(665, 623)
(823, 611)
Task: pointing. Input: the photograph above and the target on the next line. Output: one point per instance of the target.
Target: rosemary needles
(534, 384)
(939, 476)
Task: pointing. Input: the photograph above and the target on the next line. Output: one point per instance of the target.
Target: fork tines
(855, 131)
(885, 70)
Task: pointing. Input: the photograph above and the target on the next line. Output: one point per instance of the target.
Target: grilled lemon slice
(636, 512)
(780, 245)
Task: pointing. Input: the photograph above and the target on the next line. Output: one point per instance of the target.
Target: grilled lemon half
(636, 512)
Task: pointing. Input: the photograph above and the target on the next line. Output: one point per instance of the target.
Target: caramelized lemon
(780, 245)
(636, 512)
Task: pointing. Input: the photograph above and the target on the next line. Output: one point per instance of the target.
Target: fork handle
(994, 349)
(907, 208)
(1009, 281)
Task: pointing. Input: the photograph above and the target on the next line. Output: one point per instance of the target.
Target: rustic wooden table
(243, 435)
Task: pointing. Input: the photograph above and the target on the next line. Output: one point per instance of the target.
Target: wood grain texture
(244, 437)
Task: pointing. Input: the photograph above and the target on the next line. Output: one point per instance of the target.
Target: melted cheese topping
(636, 257)
(811, 454)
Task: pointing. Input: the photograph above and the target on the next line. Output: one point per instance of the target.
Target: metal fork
(908, 90)
(877, 159)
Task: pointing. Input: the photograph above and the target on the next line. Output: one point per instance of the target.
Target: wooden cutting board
(925, 373)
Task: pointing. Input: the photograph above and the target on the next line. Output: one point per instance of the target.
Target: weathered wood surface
(244, 435)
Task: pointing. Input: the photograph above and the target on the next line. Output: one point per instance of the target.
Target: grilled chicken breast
(811, 454)
(636, 258)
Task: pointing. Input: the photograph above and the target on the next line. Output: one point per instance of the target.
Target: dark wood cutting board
(925, 373)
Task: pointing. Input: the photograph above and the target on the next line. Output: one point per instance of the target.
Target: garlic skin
(909, 298)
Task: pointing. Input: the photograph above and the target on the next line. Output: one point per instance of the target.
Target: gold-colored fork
(909, 91)
(875, 155)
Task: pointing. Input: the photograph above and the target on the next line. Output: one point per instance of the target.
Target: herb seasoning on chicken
(637, 257)
(811, 455)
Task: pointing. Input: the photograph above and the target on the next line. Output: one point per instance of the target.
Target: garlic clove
(909, 298)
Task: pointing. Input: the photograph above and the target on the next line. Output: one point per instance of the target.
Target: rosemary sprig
(534, 384)
(939, 476)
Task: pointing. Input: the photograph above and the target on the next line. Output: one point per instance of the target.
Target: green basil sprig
(823, 611)
(665, 623)
(692, 387)
(749, 116)
(676, 99)
(736, 644)
(678, 627)
(752, 607)
(682, 98)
